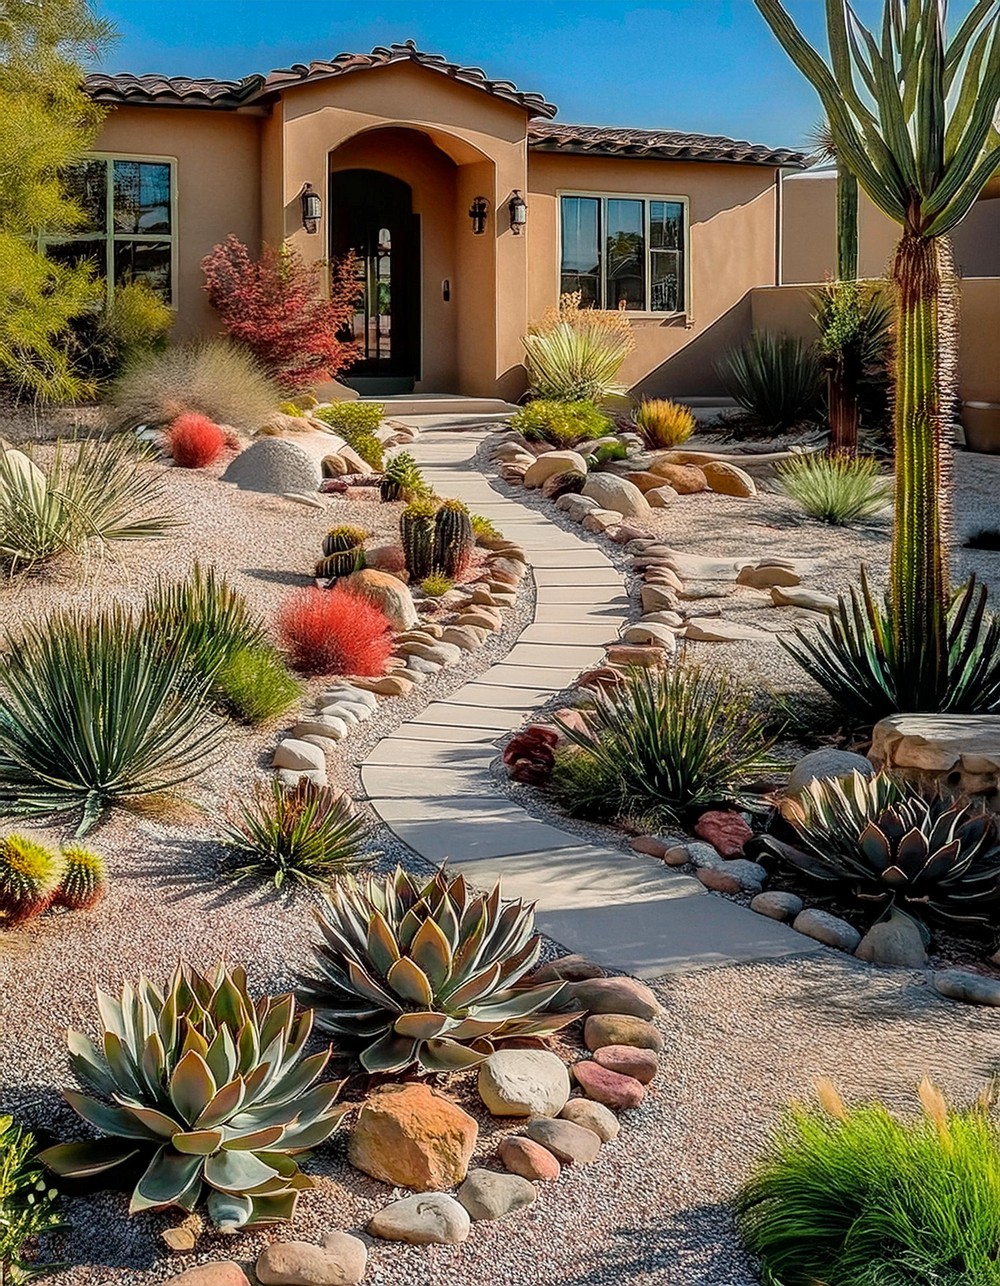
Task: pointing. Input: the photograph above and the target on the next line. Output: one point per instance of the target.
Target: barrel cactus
(210, 1089)
(30, 875)
(421, 973)
(453, 539)
(417, 531)
(85, 879)
(341, 563)
(338, 539)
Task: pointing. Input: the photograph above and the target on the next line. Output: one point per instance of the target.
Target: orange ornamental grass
(334, 631)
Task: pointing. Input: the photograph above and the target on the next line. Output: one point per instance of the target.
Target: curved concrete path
(430, 782)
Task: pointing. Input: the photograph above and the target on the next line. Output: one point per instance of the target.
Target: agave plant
(211, 1090)
(422, 973)
(895, 846)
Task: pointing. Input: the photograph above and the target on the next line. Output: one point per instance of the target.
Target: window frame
(109, 236)
(646, 198)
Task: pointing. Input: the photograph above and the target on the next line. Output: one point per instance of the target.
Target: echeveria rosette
(423, 973)
(213, 1090)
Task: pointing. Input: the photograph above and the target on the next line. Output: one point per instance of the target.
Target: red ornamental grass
(335, 631)
(195, 441)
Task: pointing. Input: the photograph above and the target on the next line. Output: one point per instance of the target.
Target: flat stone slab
(938, 742)
(582, 556)
(410, 781)
(448, 714)
(512, 675)
(549, 613)
(576, 634)
(407, 752)
(552, 655)
(468, 836)
(594, 596)
(497, 694)
(716, 629)
(598, 577)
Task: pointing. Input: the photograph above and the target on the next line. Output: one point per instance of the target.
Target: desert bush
(94, 712)
(775, 378)
(575, 354)
(393, 945)
(854, 349)
(29, 1206)
(211, 1091)
(254, 685)
(132, 323)
(92, 494)
(561, 424)
(301, 835)
(194, 441)
(853, 1196)
(484, 528)
(334, 631)
(276, 307)
(351, 418)
(437, 584)
(662, 423)
(211, 377)
(840, 490)
(661, 745)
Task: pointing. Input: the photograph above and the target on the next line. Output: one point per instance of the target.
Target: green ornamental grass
(256, 685)
(839, 490)
(561, 424)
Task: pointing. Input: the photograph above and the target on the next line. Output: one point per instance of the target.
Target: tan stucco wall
(732, 250)
(218, 186)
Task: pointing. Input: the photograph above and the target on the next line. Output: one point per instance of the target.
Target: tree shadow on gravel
(694, 1247)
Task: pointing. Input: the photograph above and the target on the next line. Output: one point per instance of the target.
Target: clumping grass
(662, 744)
(835, 489)
(561, 424)
(255, 684)
(662, 423)
(304, 835)
(436, 585)
(853, 1196)
(334, 631)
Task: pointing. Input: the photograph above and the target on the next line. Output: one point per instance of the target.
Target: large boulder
(553, 462)
(413, 1137)
(728, 479)
(961, 752)
(826, 765)
(686, 479)
(616, 494)
(387, 592)
(276, 466)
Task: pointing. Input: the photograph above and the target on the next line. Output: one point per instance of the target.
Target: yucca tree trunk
(847, 224)
(919, 575)
(844, 411)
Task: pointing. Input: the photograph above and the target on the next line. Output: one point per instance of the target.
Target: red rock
(530, 741)
(534, 770)
(603, 677)
(727, 832)
(571, 968)
(649, 844)
(719, 881)
(413, 1137)
(572, 718)
(642, 1064)
(607, 1087)
(222, 1273)
(529, 1159)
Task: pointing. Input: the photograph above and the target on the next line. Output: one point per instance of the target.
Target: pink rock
(221, 1273)
(719, 881)
(603, 677)
(641, 1064)
(608, 1087)
(727, 832)
(649, 844)
(529, 1159)
(571, 718)
(623, 534)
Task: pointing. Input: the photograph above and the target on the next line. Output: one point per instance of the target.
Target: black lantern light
(477, 213)
(518, 208)
(312, 208)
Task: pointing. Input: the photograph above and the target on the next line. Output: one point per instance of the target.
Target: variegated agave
(893, 844)
(415, 972)
(212, 1087)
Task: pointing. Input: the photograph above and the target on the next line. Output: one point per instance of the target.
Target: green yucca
(570, 363)
(775, 378)
(912, 116)
(835, 489)
(853, 319)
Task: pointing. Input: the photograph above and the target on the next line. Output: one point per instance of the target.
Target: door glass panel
(581, 255)
(666, 256)
(141, 197)
(626, 251)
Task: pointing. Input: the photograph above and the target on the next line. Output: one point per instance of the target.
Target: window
(624, 252)
(130, 232)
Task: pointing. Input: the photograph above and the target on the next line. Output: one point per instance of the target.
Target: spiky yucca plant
(912, 116)
(30, 876)
(837, 489)
(210, 1089)
(891, 845)
(420, 972)
(85, 879)
(775, 378)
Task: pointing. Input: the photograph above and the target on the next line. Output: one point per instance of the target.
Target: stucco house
(470, 208)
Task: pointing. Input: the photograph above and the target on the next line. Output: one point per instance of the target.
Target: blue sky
(708, 65)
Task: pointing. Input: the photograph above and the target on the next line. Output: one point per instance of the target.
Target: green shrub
(28, 1206)
(662, 423)
(370, 449)
(561, 424)
(303, 835)
(575, 354)
(92, 494)
(349, 419)
(132, 323)
(775, 378)
(211, 1091)
(836, 489)
(255, 685)
(211, 377)
(855, 1197)
(606, 453)
(661, 744)
(484, 528)
(93, 712)
(436, 585)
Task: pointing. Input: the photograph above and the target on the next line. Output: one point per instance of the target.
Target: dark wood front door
(372, 214)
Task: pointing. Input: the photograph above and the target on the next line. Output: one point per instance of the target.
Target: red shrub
(335, 631)
(195, 441)
(275, 306)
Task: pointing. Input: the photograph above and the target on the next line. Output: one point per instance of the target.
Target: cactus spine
(453, 539)
(416, 530)
(30, 875)
(84, 881)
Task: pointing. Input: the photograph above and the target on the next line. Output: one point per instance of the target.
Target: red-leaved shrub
(275, 306)
(334, 631)
(195, 441)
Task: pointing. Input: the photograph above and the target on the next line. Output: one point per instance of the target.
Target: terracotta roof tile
(666, 145)
(170, 91)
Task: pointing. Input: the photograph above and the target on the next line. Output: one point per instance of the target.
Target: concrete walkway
(430, 781)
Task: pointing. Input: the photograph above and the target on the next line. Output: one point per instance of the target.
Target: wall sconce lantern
(518, 208)
(312, 208)
(477, 213)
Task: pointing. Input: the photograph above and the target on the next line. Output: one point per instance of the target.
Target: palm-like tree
(912, 116)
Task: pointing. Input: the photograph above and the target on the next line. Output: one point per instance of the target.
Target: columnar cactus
(30, 875)
(453, 539)
(417, 531)
(84, 881)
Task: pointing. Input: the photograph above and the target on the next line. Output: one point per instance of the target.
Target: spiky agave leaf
(424, 973)
(211, 1089)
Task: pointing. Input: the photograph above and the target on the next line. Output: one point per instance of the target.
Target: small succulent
(402, 480)
(85, 879)
(30, 875)
(894, 845)
(436, 585)
(484, 529)
(422, 973)
(210, 1089)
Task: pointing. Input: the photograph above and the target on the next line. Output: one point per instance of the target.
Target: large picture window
(130, 232)
(624, 252)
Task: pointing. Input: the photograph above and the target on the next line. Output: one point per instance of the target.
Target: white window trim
(108, 237)
(633, 313)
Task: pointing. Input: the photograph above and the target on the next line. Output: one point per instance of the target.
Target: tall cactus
(453, 539)
(416, 530)
(919, 136)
